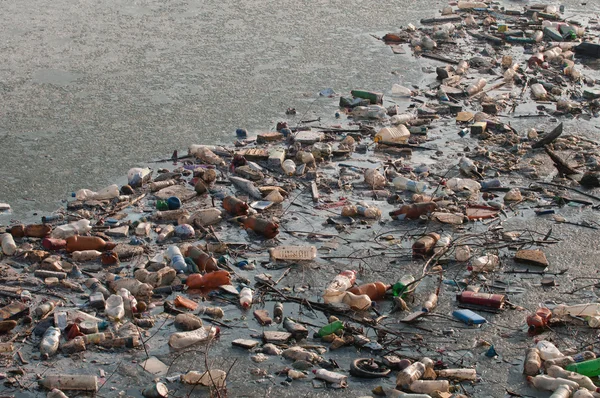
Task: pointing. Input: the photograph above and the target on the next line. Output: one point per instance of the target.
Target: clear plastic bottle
(177, 262)
(337, 379)
(85, 255)
(298, 253)
(547, 383)
(110, 192)
(335, 291)
(429, 386)
(548, 350)
(9, 247)
(538, 91)
(403, 118)
(185, 339)
(477, 86)
(75, 228)
(289, 167)
(374, 178)
(467, 166)
(50, 341)
(464, 374)
(409, 374)
(487, 263)
(246, 297)
(115, 309)
(462, 184)
(583, 381)
(400, 91)
(370, 112)
(403, 183)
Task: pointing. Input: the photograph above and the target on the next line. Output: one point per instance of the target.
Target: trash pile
(401, 252)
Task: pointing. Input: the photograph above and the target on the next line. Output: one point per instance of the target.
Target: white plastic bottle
(458, 374)
(297, 253)
(407, 184)
(246, 297)
(402, 118)
(75, 228)
(463, 184)
(110, 192)
(562, 391)
(477, 86)
(85, 255)
(429, 386)
(115, 309)
(9, 247)
(289, 167)
(409, 374)
(548, 350)
(49, 343)
(538, 91)
(547, 383)
(177, 262)
(337, 379)
(583, 381)
(400, 91)
(357, 302)
(185, 339)
(487, 263)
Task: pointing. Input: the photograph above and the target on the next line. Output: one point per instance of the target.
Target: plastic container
(583, 310)
(413, 211)
(538, 92)
(268, 229)
(583, 393)
(464, 374)
(246, 297)
(115, 309)
(213, 377)
(85, 255)
(563, 362)
(70, 383)
(402, 119)
(427, 43)
(50, 342)
(407, 184)
(467, 166)
(330, 328)
(209, 280)
(401, 91)
(400, 288)
(469, 317)
(180, 340)
(289, 167)
(81, 243)
(136, 176)
(357, 302)
(462, 67)
(176, 260)
(430, 303)
(235, 206)
(338, 380)
(463, 184)
(9, 247)
(296, 253)
(375, 290)
(583, 381)
(204, 261)
(76, 228)
(562, 392)
(410, 374)
(398, 134)
(335, 290)
(369, 112)
(548, 350)
(487, 263)
(374, 178)
(477, 86)
(205, 217)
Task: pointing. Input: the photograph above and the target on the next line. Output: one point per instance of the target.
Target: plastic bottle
(425, 244)
(589, 368)
(375, 290)
(374, 178)
(487, 263)
(548, 350)
(583, 310)
(538, 91)
(562, 392)
(337, 379)
(158, 185)
(403, 183)
(563, 362)
(110, 192)
(398, 134)
(410, 374)
(462, 253)
(209, 280)
(80, 243)
(583, 381)
(44, 309)
(166, 232)
(369, 112)
(335, 290)
(399, 288)
(204, 261)
(176, 260)
(180, 340)
(70, 382)
(430, 303)
(400, 91)
(357, 302)
(429, 386)
(547, 383)
(9, 247)
(49, 343)
(235, 206)
(136, 176)
(467, 166)
(268, 229)
(428, 43)
(94, 285)
(413, 211)
(477, 86)
(462, 68)
(115, 309)
(204, 217)
(56, 393)
(213, 377)
(289, 167)
(85, 255)
(330, 328)
(297, 253)
(464, 374)
(463, 184)
(246, 297)
(402, 119)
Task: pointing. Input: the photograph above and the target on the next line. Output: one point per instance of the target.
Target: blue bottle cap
(241, 133)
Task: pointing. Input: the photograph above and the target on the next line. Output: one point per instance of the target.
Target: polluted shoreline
(440, 242)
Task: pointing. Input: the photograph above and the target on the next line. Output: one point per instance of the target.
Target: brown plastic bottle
(79, 243)
(32, 230)
(235, 206)
(204, 261)
(209, 280)
(268, 229)
(425, 244)
(375, 290)
(414, 211)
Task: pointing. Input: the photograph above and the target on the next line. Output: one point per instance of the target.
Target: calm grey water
(90, 89)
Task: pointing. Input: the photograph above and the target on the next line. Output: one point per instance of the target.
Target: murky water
(89, 90)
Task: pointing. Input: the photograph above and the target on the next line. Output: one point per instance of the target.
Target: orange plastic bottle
(204, 261)
(375, 290)
(80, 243)
(209, 280)
(235, 206)
(266, 228)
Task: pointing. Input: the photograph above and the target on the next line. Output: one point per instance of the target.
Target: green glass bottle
(375, 98)
(399, 288)
(589, 368)
(162, 205)
(331, 328)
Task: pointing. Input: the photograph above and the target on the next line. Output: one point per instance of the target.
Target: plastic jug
(398, 134)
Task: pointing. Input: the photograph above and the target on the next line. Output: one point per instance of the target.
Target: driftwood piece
(562, 166)
(548, 138)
